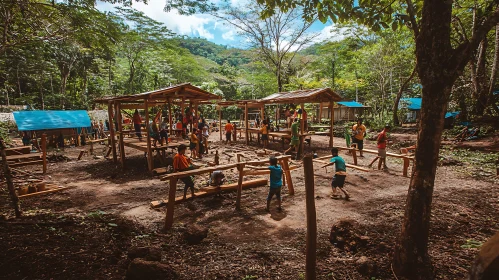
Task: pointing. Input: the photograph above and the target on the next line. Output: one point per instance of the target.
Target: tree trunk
(64, 80)
(399, 96)
(437, 73)
(8, 178)
(279, 80)
(493, 73)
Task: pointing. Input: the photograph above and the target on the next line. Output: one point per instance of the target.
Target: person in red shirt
(382, 139)
(137, 122)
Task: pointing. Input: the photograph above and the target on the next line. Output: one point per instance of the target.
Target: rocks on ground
(141, 269)
(194, 234)
(346, 235)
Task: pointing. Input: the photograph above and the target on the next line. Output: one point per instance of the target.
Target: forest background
(64, 54)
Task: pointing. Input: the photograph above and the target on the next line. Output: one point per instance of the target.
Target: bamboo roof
(302, 96)
(178, 93)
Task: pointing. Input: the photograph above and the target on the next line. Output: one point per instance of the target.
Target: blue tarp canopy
(451, 115)
(411, 103)
(351, 104)
(40, 120)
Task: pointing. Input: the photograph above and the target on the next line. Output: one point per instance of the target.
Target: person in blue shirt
(339, 175)
(275, 182)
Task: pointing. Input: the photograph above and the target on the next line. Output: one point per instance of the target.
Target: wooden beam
(287, 174)
(302, 131)
(220, 122)
(320, 113)
(44, 152)
(246, 122)
(150, 162)
(111, 129)
(331, 140)
(120, 133)
(311, 247)
(43, 192)
(170, 119)
(346, 164)
(171, 204)
(240, 168)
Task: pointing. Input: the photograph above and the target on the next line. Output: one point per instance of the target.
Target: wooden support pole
(8, 177)
(262, 112)
(182, 111)
(320, 113)
(308, 169)
(302, 131)
(170, 119)
(190, 116)
(287, 174)
(121, 142)
(240, 168)
(246, 122)
(220, 121)
(111, 130)
(171, 203)
(406, 166)
(331, 141)
(44, 152)
(150, 163)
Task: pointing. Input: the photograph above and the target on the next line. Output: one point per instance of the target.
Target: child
(381, 149)
(265, 133)
(163, 133)
(217, 178)
(194, 143)
(339, 175)
(182, 163)
(154, 133)
(228, 131)
(275, 182)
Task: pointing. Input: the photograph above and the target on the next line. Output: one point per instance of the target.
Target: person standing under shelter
(137, 123)
(295, 138)
(359, 132)
(163, 132)
(228, 131)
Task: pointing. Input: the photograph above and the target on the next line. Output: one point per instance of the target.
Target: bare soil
(85, 232)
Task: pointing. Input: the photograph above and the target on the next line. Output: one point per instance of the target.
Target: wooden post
(240, 168)
(262, 112)
(406, 166)
(44, 152)
(182, 111)
(171, 203)
(150, 163)
(170, 118)
(246, 122)
(91, 147)
(220, 121)
(320, 113)
(308, 168)
(354, 155)
(287, 173)
(331, 141)
(117, 106)
(302, 131)
(190, 116)
(8, 179)
(111, 129)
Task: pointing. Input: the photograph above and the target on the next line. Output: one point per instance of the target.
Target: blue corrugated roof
(351, 104)
(40, 120)
(451, 114)
(411, 103)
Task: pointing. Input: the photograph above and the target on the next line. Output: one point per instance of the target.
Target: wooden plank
(240, 168)
(347, 165)
(203, 192)
(287, 173)
(44, 192)
(25, 163)
(18, 150)
(24, 156)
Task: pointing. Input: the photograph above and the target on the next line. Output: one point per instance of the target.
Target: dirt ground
(85, 232)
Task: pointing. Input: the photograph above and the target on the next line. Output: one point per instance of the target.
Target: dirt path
(253, 242)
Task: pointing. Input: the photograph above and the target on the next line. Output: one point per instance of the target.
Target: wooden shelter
(300, 97)
(182, 95)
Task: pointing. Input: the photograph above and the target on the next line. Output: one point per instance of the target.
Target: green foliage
(472, 244)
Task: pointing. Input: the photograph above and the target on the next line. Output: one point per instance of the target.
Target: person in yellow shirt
(182, 163)
(228, 131)
(265, 133)
(359, 132)
(194, 143)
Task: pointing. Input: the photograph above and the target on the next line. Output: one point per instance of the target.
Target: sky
(203, 25)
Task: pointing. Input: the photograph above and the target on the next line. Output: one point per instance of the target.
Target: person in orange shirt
(265, 133)
(182, 163)
(228, 131)
(194, 143)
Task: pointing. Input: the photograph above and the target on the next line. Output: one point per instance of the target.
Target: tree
(277, 38)
(439, 63)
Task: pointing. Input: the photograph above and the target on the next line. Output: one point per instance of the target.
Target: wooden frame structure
(180, 95)
(301, 97)
(173, 177)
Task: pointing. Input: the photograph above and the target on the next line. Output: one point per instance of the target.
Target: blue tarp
(351, 104)
(451, 115)
(40, 120)
(411, 103)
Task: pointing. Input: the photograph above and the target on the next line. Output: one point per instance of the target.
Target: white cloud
(191, 25)
(330, 33)
(229, 35)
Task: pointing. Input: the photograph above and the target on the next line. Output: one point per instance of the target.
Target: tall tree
(439, 64)
(277, 38)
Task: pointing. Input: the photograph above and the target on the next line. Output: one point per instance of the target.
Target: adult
(295, 138)
(163, 132)
(228, 131)
(137, 123)
(359, 132)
